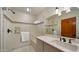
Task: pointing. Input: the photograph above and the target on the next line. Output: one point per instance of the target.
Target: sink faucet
(63, 39)
(70, 41)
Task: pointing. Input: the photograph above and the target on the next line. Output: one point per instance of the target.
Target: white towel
(25, 36)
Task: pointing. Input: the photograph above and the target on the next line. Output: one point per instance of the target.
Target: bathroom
(21, 27)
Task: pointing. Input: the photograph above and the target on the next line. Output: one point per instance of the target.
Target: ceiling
(34, 10)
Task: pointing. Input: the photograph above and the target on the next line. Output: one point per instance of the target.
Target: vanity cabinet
(39, 46)
(44, 47)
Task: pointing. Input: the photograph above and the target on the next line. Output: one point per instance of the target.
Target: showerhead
(5, 8)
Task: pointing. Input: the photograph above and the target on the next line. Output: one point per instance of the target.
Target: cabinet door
(68, 27)
(49, 48)
(40, 45)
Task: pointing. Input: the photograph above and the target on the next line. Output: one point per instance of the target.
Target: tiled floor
(28, 48)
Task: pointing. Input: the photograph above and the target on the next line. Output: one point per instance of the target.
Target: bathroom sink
(48, 39)
(75, 41)
(67, 46)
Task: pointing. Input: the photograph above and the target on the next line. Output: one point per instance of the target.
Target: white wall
(8, 38)
(1, 30)
(33, 29)
(23, 28)
(37, 30)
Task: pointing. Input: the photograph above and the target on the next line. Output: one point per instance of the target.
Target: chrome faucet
(63, 39)
(70, 41)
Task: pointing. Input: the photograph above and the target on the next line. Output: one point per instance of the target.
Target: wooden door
(68, 27)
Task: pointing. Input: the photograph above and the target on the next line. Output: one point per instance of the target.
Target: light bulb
(68, 10)
(28, 9)
(56, 11)
(59, 14)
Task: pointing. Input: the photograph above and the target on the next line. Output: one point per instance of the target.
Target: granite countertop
(54, 40)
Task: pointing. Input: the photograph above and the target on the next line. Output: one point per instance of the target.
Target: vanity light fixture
(57, 10)
(67, 9)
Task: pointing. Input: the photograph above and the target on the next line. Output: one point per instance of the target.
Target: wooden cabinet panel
(68, 27)
(40, 45)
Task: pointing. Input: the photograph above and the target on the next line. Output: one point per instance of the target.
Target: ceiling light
(28, 9)
(38, 21)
